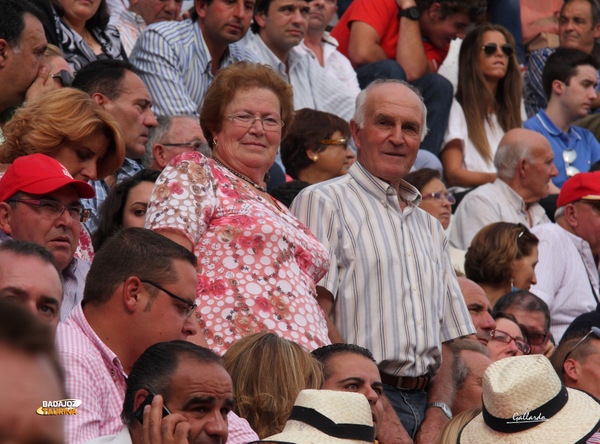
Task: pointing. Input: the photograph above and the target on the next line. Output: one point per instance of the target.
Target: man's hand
(172, 429)
(432, 426)
(42, 84)
(391, 430)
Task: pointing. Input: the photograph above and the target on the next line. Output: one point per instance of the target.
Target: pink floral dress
(257, 264)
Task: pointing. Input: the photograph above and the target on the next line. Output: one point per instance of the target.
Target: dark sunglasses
(65, 78)
(491, 48)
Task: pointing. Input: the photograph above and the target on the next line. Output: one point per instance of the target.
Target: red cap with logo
(39, 174)
(580, 186)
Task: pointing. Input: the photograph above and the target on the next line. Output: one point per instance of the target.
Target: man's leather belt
(405, 382)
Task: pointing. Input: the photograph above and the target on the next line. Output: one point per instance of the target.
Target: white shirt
(564, 271)
(489, 203)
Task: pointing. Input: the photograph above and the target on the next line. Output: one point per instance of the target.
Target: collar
(381, 189)
(202, 51)
(552, 128)
(583, 247)
(132, 17)
(514, 199)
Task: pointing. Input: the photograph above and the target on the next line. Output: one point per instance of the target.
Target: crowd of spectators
(299, 221)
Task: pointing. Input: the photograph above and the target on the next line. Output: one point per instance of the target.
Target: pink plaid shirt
(94, 375)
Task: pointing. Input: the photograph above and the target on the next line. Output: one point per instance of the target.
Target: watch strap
(443, 407)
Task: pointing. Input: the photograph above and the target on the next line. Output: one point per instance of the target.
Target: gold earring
(314, 159)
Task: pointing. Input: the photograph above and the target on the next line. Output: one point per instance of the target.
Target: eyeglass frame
(334, 142)
(594, 330)
(83, 213)
(438, 195)
(504, 48)
(64, 76)
(192, 306)
(197, 144)
(526, 352)
(280, 123)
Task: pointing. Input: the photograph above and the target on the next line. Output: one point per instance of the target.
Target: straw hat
(524, 401)
(328, 417)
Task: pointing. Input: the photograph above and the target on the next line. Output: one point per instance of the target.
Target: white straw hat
(525, 402)
(328, 417)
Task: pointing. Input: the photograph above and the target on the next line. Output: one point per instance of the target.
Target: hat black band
(324, 424)
(525, 421)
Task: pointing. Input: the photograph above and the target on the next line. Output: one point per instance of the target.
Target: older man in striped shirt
(393, 290)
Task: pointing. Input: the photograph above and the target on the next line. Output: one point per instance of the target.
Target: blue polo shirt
(581, 140)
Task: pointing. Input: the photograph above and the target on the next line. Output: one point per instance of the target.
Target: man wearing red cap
(40, 202)
(567, 271)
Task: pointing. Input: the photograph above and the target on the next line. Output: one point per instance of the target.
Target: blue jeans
(437, 95)
(409, 405)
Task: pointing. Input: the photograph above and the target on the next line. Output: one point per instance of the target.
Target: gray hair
(361, 101)
(460, 370)
(508, 156)
(155, 134)
(595, 10)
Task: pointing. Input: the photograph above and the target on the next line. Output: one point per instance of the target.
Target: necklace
(241, 176)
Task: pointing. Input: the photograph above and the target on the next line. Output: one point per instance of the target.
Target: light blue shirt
(175, 65)
(313, 87)
(579, 139)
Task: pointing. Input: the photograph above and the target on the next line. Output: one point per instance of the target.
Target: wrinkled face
(246, 147)
(136, 204)
(439, 208)
(82, 158)
(493, 67)
(351, 372)
(78, 11)
(498, 349)
(59, 235)
(480, 309)
(33, 283)
(534, 323)
(334, 160)
(285, 24)
(182, 130)
(23, 62)
(164, 318)
(523, 270)
(589, 371)
(224, 21)
(153, 11)
(539, 174)
(575, 28)
(24, 382)
(203, 393)
(132, 110)
(447, 29)
(321, 13)
(469, 396)
(390, 137)
(588, 223)
(577, 97)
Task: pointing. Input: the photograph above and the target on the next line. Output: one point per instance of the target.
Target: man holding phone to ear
(197, 396)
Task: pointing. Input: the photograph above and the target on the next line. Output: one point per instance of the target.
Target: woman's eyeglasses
(491, 48)
(64, 77)
(247, 120)
(339, 142)
(569, 156)
(440, 196)
(502, 336)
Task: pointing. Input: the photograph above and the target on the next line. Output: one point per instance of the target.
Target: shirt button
(414, 287)
(409, 253)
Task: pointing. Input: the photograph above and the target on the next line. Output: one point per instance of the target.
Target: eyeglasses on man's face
(502, 336)
(54, 209)
(594, 331)
(194, 145)
(191, 307)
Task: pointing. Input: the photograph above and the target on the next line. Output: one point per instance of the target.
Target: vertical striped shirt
(394, 287)
(175, 65)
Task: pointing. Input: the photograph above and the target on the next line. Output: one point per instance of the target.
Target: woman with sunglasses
(507, 339)
(502, 257)
(436, 200)
(487, 104)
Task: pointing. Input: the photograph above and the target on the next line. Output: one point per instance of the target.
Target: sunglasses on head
(64, 76)
(491, 48)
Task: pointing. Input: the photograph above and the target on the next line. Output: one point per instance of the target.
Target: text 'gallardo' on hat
(328, 417)
(580, 186)
(524, 401)
(39, 174)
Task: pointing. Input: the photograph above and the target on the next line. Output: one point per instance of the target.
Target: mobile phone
(139, 413)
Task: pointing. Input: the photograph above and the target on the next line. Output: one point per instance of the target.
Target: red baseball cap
(39, 174)
(580, 186)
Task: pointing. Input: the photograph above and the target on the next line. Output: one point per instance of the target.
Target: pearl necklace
(241, 176)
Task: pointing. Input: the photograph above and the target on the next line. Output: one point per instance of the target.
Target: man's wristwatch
(441, 405)
(413, 13)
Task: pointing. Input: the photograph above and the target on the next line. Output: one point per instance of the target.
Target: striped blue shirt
(394, 287)
(175, 65)
(313, 87)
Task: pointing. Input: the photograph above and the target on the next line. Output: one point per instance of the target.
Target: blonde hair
(452, 429)
(53, 51)
(268, 373)
(63, 115)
